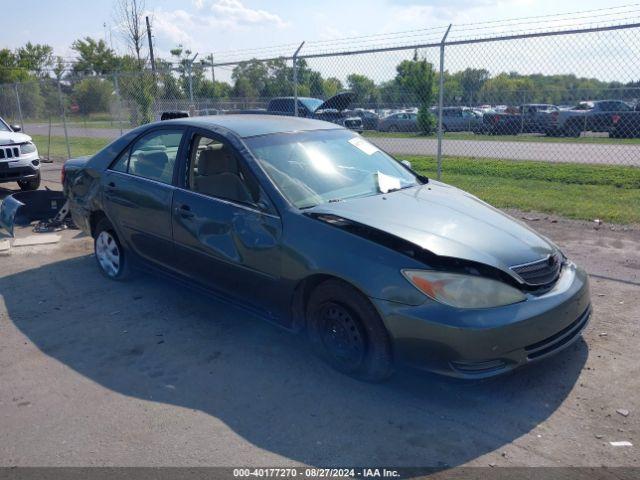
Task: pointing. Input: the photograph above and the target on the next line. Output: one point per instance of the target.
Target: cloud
(233, 12)
(173, 26)
(193, 28)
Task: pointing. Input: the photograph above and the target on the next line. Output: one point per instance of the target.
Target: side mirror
(407, 164)
(16, 128)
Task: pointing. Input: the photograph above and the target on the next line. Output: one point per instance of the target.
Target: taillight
(496, 119)
(615, 119)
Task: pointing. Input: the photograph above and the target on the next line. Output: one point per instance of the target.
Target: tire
(111, 258)
(392, 129)
(346, 331)
(572, 130)
(32, 184)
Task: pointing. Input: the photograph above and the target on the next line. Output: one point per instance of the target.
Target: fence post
(522, 110)
(440, 102)
(117, 86)
(295, 80)
(64, 120)
(15, 87)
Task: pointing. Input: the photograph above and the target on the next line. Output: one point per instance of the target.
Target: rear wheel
(110, 255)
(392, 129)
(347, 332)
(573, 130)
(31, 184)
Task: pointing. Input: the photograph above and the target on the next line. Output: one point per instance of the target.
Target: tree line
(89, 82)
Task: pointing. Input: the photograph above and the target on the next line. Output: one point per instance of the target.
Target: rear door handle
(185, 211)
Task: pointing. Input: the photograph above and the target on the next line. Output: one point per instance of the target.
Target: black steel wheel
(342, 335)
(347, 332)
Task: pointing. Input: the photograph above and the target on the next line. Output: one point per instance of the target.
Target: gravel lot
(151, 373)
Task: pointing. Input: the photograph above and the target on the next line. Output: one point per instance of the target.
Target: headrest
(214, 162)
(154, 159)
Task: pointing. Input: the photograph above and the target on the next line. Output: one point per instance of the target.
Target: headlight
(27, 147)
(463, 291)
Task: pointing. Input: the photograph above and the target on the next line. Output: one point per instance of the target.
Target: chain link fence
(545, 122)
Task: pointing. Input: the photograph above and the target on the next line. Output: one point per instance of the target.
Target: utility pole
(151, 57)
(213, 74)
(189, 70)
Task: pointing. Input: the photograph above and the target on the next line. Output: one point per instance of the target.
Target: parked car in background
(331, 110)
(536, 117)
(310, 226)
(626, 124)
(399, 122)
(499, 123)
(592, 116)
(19, 159)
(369, 119)
(459, 119)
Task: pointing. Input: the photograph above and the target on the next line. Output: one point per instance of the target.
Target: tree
(471, 82)
(94, 57)
(331, 86)
(364, 89)
(129, 14)
(93, 95)
(35, 58)
(416, 77)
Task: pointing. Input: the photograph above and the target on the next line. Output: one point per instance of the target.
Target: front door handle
(185, 211)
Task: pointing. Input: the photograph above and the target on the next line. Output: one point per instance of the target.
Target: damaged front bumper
(22, 208)
(480, 343)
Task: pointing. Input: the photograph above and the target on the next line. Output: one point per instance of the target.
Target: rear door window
(153, 156)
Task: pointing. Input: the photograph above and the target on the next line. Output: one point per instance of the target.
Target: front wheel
(110, 255)
(31, 184)
(347, 332)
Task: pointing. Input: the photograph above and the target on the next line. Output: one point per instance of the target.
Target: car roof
(251, 125)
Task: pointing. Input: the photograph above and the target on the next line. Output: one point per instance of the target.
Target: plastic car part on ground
(22, 208)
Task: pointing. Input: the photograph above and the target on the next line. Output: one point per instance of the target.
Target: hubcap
(342, 336)
(108, 254)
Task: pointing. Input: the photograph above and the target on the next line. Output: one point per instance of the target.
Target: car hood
(338, 102)
(447, 222)
(8, 138)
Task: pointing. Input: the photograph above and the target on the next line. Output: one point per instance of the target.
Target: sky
(219, 27)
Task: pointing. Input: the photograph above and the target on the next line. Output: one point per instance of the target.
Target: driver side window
(215, 171)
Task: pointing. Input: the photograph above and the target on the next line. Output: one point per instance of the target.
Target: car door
(226, 231)
(138, 193)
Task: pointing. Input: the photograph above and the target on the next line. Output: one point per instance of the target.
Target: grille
(541, 272)
(9, 152)
(353, 123)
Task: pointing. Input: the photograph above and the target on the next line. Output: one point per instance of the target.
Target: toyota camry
(315, 229)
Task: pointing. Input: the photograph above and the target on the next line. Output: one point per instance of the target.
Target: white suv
(19, 159)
